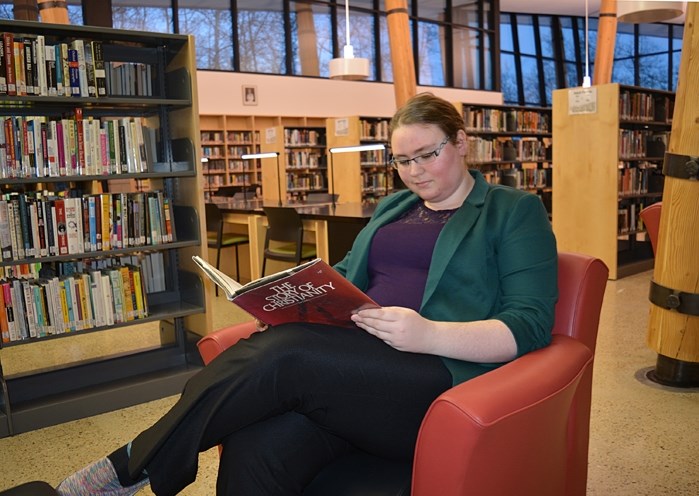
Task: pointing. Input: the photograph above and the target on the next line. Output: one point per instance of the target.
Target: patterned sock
(98, 479)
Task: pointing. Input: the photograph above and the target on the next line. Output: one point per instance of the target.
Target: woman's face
(442, 180)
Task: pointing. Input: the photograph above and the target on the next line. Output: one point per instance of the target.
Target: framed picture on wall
(249, 95)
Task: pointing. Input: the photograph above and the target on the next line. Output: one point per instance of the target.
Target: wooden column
(308, 41)
(606, 36)
(25, 10)
(402, 60)
(672, 333)
(54, 11)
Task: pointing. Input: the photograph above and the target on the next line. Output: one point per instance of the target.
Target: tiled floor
(644, 438)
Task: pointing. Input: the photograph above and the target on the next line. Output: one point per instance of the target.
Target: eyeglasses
(423, 159)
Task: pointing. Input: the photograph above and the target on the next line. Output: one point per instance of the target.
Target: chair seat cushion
(308, 250)
(361, 474)
(229, 239)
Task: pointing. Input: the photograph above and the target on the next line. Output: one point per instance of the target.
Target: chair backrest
(322, 197)
(227, 190)
(214, 218)
(651, 219)
(581, 283)
(284, 224)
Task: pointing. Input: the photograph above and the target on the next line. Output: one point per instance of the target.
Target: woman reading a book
(465, 276)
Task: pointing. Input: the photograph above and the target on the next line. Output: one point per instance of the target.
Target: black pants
(344, 388)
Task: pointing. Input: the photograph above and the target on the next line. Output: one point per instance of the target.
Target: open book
(311, 292)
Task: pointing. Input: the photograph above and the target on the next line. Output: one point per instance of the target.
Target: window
(155, 16)
(212, 28)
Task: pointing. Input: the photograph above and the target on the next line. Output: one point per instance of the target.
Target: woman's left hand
(402, 328)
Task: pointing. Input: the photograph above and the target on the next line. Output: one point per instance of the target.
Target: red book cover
(82, 166)
(61, 227)
(312, 292)
(8, 41)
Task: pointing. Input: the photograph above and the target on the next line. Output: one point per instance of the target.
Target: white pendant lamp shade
(348, 67)
(635, 12)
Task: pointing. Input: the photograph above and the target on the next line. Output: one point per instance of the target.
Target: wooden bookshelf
(359, 176)
(511, 145)
(608, 159)
(161, 97)
(302, 165)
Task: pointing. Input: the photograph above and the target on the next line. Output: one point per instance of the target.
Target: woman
(465, 273)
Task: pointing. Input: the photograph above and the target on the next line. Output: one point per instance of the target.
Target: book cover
(8, 45)
(312, 292)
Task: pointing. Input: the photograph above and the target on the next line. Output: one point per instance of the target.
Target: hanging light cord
(586, 79)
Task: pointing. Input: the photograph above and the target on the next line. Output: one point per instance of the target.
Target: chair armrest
(466, 443)
(214, 343)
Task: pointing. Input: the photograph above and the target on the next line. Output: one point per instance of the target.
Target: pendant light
(636, 11)
(349, 67)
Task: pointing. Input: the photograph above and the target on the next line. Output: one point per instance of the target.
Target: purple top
(400, 257)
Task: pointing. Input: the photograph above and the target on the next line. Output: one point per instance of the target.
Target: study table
(335, 226)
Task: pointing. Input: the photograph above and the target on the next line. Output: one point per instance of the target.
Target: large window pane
(530, 80)
(546, 34)
(7, 10)
(430, 55)
(385, 47)
(361, 37)
(132, 14)
(506, 44)
(260, 39)
(311, 39)
(212, 29)
(623, 71)
(653, 71)
(509, 78)
(525, 34)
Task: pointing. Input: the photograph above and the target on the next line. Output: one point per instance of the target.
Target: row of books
(34, 65)
(640, 106)
(38, 308)
(376, 182)
(300, 137)
(642, 143)
(634, 180)
(506, 120)
(372, 158)
(73, 146)
(152, 266)
(40, 224)
(308, 182)
(375, 130)
(303, 158)
(489, 150)
(629, 219)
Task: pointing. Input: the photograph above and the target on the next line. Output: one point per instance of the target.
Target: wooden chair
(217, 239)
(284, 237)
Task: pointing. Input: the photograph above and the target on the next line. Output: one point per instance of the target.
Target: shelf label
(271, 135)
(582, 101)
(342, 127)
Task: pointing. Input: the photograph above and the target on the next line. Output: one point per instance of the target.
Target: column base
(675, 373)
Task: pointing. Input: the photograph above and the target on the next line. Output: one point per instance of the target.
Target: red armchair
(520, 429)
(651, 219)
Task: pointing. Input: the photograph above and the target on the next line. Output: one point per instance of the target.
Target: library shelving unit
(511, 145)
(363, 176)
(610, 144)
(224, 139)
(149, 89)
(302, 162)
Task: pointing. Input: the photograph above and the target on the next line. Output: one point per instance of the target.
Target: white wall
(221, 93)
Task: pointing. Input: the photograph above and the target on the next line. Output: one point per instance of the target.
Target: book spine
(8, 43)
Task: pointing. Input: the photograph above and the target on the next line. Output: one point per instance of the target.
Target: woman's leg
(280, 455)
(344, 380)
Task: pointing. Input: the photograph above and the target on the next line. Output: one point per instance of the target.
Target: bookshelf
(224, 139)
(511, 145)
(303, 162)
(145, 105)
(608, 162)
(362, 176)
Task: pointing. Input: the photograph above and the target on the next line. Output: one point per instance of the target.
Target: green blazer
(494, 259)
